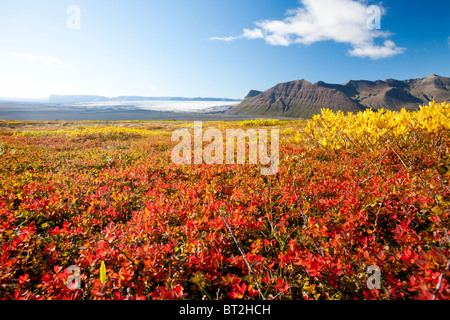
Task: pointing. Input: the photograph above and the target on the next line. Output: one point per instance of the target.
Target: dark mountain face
(303, 99)
(252, 94)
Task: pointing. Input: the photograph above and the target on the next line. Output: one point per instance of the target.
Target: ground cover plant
(352, 191)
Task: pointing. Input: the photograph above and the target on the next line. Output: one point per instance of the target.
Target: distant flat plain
(43, 111)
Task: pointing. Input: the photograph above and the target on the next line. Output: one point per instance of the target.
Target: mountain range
(304, 99)
(91, 98)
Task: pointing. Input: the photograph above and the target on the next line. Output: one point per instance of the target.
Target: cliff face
(251, 94)
(303, 99)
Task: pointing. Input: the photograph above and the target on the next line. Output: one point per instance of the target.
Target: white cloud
(375, 52)
(49, 61)
(151, 87)
(249, 34)
(253, 34)
(343, 21)
(230, 38)
(277, 40)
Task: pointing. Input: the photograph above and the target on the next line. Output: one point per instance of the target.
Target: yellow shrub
(335, 130)
(105, 131)
(260, 123)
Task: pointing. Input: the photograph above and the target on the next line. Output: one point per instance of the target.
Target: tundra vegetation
(351, 191)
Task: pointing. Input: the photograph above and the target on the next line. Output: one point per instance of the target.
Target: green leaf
(102, 272)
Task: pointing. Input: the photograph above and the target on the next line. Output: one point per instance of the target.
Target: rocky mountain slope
(304, 99)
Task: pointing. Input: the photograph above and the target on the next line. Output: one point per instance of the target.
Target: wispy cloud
(23, 55)
(53, 61)
(152, 87)
(230, 38)
(343, 21)
(249, 34)
(49, 61)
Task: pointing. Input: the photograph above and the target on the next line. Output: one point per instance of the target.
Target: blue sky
(212, 48)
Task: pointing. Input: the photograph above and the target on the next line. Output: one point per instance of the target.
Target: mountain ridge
(94, 98)
(301, 98)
